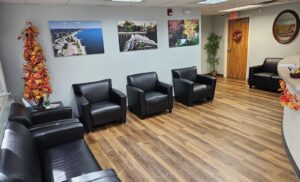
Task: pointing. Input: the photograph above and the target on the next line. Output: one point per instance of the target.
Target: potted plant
(212, 46)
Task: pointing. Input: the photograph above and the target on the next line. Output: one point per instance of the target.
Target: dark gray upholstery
(265, 76)
(18, 113)
(146, 82)
(60, 165)
(147, 95)
(53, 155)
(189, 87)
(98, 103)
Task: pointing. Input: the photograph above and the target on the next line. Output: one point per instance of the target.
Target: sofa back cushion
(270, 65)
(94, 91)
(18, 113)
(189, 73)
(19, 157)
(144, 81)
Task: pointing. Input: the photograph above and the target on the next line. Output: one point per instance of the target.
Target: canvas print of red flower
(183, 32)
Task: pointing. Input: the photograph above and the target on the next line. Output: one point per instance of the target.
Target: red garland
(237, 36)
(287, 98)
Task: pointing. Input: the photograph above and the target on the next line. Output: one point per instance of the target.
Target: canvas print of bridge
(137, 35)
(73, 38)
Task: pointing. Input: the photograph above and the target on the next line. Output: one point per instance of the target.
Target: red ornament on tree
(37, 82)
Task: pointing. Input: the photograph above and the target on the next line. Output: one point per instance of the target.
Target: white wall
(212, 24)
(113, 64)
(206, 29)
(262, 43)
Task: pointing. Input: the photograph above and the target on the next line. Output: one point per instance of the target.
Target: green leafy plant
(212, 46)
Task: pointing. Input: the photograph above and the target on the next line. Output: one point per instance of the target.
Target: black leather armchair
(98, 103)
(33, 120)
(147, 95)
(190, 87)
(265, 76)
(60, 154)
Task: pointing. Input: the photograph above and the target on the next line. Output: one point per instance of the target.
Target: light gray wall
(113, 64)
(212, 24)
(262, 43)
(206, 29)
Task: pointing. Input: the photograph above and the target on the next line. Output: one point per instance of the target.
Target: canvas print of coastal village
(183, 32)
(72, 38)
(137, 35)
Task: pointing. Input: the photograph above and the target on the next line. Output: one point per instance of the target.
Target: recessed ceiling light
(128, 1)
(210, 1)
(242, 8)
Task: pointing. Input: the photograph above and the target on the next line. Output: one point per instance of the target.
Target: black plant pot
(40, 105)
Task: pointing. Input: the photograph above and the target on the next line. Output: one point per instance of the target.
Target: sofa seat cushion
(201, 91)
(68, 161)
(263, 74)
(153, 98)
(53, 123)
(105, 111)
(275, 80)
(276, 77)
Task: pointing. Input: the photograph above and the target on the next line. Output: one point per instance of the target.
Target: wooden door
(237, 52)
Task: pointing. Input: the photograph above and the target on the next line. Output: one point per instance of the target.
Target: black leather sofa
(147, 95)
(265, 76)
(60, 154)
(190, 87)
(34, 120)
(98, 103)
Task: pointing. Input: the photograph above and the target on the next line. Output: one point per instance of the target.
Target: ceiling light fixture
(242, 8)
(210, 1)
(127, 1)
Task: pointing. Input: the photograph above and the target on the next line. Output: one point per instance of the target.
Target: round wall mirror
(286, 26)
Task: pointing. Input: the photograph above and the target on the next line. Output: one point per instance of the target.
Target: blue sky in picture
(74, 24)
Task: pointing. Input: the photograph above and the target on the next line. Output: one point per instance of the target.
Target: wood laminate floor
(237, 137)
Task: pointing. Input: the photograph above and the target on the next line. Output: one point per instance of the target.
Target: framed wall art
(137, 35)
(183, 32)
(73, 38)
(286, 26)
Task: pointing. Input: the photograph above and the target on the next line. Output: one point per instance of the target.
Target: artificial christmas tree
(37, 84)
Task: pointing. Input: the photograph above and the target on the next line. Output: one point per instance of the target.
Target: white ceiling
(206, 9)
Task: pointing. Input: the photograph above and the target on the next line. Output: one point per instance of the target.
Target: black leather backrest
(270, 65)
(144, 81)
(20, 114)
(189, 73)
(94, 91)
(19, 158)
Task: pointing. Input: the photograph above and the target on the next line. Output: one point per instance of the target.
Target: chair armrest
(256, 69)
(118, 97)
(20, 114)
(84, 111)
(48, 115)
(205, 79)
(163, 87)
(52, 135)
(184, 90)
(136, 99)
(107, 175)
(183, 84)
(166, 89)
(252, 71)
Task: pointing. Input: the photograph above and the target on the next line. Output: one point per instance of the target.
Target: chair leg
(250, 86)
(170, 110)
